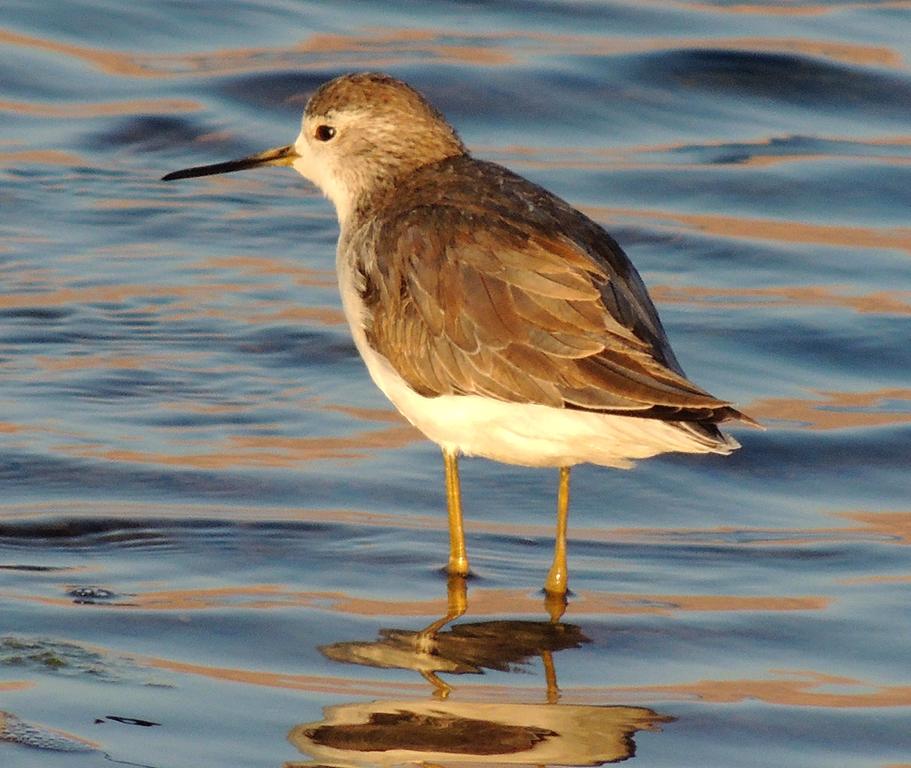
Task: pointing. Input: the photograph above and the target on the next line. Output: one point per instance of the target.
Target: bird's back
(477, 281)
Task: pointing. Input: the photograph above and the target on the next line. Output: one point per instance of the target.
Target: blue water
(210, 519)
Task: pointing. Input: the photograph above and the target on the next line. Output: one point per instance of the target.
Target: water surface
(217, 541)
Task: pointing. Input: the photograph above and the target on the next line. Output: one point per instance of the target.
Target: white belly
(521, 433)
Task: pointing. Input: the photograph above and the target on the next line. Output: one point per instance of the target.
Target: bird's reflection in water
(465, 648)
(444, 732)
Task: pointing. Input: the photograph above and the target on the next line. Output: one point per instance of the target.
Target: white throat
(318, 172)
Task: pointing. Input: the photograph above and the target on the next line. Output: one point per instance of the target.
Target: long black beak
(277, 156)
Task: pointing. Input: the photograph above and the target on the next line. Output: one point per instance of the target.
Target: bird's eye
(324, 132)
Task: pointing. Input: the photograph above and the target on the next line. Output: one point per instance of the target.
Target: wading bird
(498, 319)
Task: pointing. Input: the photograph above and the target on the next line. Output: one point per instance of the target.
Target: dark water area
(218, 542)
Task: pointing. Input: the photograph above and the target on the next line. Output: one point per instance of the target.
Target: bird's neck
(397, 189)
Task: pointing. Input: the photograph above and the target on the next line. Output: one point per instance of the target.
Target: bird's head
(360, 135)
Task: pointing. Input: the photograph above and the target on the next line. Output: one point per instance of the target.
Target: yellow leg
(556, 578)
(458, 559)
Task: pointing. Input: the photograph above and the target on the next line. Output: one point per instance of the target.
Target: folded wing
(463, 302)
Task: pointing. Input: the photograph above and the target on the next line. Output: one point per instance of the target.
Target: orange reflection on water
(837, 50)
(496, 602)
(286, 680)
(607, 157)
(264, 450)
(269, 314)
(376, 49)
(126, 510)
(781, 8)
(879, 527)
(111, 294)
(81, 110)
(801, 689)
(269, 265)
(763, 161)
(485, 602)
(186, 301)
(382, 48)
(108, 61)
(836, 410)
(861, 580)
(40, 157)
(877, 303)
(131, 204)
(15, 685)
(368, 414)
(427, 42)
(110, 361)
(256, 597)
(894, 526)
(300, 448)
(776, 230)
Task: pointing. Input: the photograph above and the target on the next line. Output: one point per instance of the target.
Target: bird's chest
(353, 269)
(371, 283)
(360, 288)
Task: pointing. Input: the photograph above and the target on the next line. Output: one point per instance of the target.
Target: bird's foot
(555, 604)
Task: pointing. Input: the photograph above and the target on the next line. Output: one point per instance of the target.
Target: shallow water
(216, 539)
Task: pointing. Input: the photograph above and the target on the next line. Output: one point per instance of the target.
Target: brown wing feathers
(467, 306)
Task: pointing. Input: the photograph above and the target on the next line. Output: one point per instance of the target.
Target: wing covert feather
(462, 302)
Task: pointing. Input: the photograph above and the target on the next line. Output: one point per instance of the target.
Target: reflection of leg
(458, 559)
(425, 640)
(556, 578)
(550, 675)
(441, 690)
(456, 605)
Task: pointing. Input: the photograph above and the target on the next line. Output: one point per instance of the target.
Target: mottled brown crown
(381, 94)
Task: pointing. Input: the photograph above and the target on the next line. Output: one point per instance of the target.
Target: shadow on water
(445, 732)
